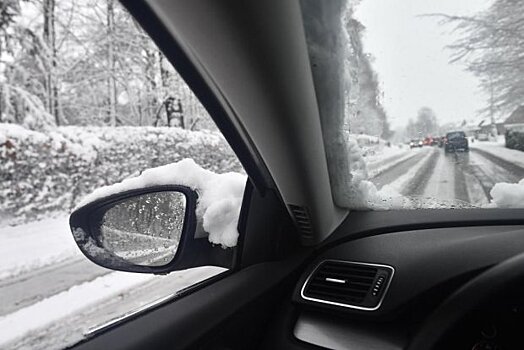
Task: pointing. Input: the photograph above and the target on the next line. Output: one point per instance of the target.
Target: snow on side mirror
(168, 218)
(142, 230)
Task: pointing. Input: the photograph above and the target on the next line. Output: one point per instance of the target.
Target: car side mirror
(152, 230)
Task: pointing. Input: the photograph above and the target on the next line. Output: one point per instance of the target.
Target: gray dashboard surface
(335, 334)
(423, 259)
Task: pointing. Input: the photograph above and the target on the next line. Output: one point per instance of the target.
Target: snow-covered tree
(492, 47)
(88, 63)
(367, 114)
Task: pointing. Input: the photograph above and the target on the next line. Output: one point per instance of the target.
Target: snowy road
(64, 295)
(463, 176)
(65, 318)
(31, 287)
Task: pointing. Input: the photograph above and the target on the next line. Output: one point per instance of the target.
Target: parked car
(515, 139)
(456, 141)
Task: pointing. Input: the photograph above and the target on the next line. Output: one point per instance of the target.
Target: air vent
(348, 284)
(302, 219)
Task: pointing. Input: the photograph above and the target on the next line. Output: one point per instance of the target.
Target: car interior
(307, 273)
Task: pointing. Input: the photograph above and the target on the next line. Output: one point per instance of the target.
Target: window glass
(435, 87)
(86, 100)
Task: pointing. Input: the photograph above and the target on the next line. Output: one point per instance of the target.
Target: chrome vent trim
(384, 291)
(302, 219)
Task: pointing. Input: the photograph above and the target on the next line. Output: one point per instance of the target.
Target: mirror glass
(145, 229)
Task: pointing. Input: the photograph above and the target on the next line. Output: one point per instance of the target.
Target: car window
(455, 135)
(86, 101)
(437, 84)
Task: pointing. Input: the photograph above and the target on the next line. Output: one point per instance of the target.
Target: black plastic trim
(191, 251)
(360, 224)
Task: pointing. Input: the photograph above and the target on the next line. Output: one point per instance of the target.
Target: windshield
(424, 97)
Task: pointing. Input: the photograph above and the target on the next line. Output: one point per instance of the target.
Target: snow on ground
(86, 296)
(362, 193)
(441, 184)
(400, 183)
(505, 195)
(35, 245)
(18, 132)
(219, 202)
(60, 305)
(499, 150)
(385, 159)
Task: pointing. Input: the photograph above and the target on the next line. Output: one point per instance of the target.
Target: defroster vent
(302, 219)
(354, 285)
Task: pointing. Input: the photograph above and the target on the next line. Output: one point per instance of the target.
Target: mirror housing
(193, 249)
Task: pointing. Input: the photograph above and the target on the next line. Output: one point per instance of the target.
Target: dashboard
(425, 267)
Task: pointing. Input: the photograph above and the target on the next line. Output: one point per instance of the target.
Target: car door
(208, 313)
(229, 311)
(233, 309)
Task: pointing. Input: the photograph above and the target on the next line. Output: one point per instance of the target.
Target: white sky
(411, 61)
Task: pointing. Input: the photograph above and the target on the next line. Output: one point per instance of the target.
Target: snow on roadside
(64, 319)
(505, 195)
(34, 245)
(219, 202)
(384, 161)
(499, 150)
(60, 305)
(361, 193)
(400, 183)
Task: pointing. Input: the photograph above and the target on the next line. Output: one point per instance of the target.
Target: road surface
(463, 176)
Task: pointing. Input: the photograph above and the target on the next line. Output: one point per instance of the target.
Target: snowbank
(506, 195)
(499, 150)
(362, 194)
(386, 158)
(219, 195)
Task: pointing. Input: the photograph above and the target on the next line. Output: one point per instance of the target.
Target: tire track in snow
(29, 288)
(111, 303)
(377, 168)
(421, 178)
(487, 169)
(441, 184)
(485, 182)
(392, 173)
(26, 289)
(511, 168)
(461, 161)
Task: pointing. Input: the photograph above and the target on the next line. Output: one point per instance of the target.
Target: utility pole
(492, 108)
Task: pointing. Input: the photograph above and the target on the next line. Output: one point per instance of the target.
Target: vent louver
(348, 284)
(302, 219)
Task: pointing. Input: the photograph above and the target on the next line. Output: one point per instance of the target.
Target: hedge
(44, 173)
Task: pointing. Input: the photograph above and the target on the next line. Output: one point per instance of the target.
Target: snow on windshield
(412, 105)
(506, 195)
